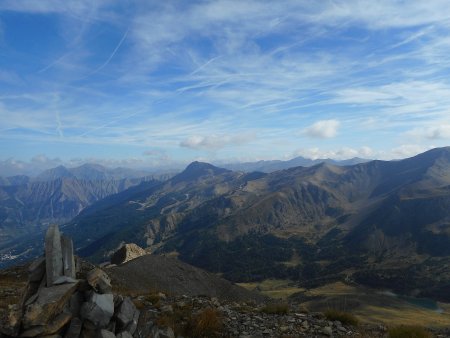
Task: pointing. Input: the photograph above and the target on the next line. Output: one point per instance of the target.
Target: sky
(158, 83)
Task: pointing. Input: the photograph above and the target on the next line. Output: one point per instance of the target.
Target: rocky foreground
(58, 296)
(205, 317)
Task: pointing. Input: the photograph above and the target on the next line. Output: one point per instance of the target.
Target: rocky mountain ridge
(380, 223)
(359, 221)
(269, 166)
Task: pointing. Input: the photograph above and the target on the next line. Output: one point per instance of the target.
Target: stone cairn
(56, 304)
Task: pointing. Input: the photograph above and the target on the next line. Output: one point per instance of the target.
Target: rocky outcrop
(187, 315)
(126, 253)
(57, 304)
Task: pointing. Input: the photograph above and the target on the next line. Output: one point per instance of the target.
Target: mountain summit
(196, 170)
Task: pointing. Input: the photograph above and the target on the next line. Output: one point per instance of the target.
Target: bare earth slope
(152, 272)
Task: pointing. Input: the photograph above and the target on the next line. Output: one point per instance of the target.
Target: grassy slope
(368, 305)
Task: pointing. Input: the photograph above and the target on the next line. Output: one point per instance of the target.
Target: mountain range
(274, 165)
(381, 223)
(385, 224)
(56, 195)
(29, 204)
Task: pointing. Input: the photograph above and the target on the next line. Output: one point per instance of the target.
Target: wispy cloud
(225, 78)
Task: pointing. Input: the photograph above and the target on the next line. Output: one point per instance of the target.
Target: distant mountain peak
(55, 173)
(429, 157)
(91, 166)
(196, 165)
(198, 169)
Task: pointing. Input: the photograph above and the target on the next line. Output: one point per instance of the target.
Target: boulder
(88, 332)
(106, 334)
(53, 254)
(99, 309)
(48, 304)
(327, 331)
(75, 302)
(162, 332)
(132, 326)
(126, 253)
(125, 312)
(99, 281)
(74, 330)
(124, 334)
(10, 324)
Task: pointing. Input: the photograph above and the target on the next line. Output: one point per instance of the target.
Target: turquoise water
(425, 303)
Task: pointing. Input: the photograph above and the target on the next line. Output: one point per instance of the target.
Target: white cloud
(211, 142)
(343, 153)
(407, 150)
(322, 129)
(432, 133)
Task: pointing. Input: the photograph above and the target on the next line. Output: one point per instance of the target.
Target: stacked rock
(56, 304)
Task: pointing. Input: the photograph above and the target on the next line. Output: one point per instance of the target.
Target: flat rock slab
(49, 303)
(50, 329)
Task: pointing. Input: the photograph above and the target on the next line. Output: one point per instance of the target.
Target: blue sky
(151, 83)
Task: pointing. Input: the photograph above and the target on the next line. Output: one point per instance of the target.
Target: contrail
(52, 64)
(113, 53)
(204, 65)
(59, 124)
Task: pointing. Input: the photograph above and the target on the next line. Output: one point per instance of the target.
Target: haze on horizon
(142, 84)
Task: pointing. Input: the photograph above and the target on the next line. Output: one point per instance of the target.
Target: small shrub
(408, 331)
(207, 323)
(139, 304)
(153, 298)
(276, 309)
(344, 317)
(245, 309)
